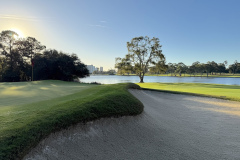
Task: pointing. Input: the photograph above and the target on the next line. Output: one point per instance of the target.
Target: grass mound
(22, 127)
(229, 92)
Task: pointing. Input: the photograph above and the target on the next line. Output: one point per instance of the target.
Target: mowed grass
(20, 93)
(66, 103)
(230, 92)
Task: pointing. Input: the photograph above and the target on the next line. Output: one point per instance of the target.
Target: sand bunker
(172, 126)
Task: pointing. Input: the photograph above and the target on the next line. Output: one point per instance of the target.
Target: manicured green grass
(66, 103)
(20, 93)
(230, 92)
(198, 75)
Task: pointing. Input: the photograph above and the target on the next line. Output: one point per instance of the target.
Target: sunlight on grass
(231, 92)
(13, 93)
(44, 88)
(36, 82)
(21, 93)
(16, 87)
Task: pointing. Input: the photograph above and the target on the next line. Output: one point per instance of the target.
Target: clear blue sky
(97, 30)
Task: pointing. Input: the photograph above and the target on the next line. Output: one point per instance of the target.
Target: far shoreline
(169, 76)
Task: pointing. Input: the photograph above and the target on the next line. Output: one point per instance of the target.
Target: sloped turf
(23, 126)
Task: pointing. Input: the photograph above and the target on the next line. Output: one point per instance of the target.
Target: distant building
(90, 68)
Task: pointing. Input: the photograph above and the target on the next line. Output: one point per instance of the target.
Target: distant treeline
(26, 59)
(177, 69)
(200, 68)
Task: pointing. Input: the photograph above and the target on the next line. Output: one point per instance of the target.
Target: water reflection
(107, 79)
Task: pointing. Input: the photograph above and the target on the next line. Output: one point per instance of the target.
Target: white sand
(172, 126)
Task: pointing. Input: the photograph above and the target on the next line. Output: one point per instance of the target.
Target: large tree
(235, 67)
(29, 47)
(171, 68)
(60, 66)
(144, 53)
(160, 67)
(221, 68)
(210, 67)
(13, 66)
(181, 68)
(7, 46)
(123, 65)
(16, 56)
(195, 68)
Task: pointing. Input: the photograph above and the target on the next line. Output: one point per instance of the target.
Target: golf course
(172, 126)
(30, 111)
(119, 80)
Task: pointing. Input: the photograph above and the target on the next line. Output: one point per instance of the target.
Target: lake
(112, 79)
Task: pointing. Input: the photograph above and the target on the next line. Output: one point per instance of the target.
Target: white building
(101, 69)
(90, 68)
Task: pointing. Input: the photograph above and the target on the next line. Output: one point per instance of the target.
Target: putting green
(20, 93)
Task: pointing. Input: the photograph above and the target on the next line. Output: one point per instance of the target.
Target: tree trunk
(141, 79)
(11, 56)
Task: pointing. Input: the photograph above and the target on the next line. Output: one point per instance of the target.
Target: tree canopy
(143, 53)
(210, 67)
(19, 58)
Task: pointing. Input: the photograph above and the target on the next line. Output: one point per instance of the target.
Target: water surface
(112, 79)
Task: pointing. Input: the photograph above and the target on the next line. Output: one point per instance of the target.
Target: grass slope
(23, 126)
(230, 92)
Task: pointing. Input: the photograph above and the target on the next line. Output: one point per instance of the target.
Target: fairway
(230, 92)
(20, 93)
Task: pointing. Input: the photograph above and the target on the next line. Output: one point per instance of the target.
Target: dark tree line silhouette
(209, 68)
(27, 59)
(180, 69)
